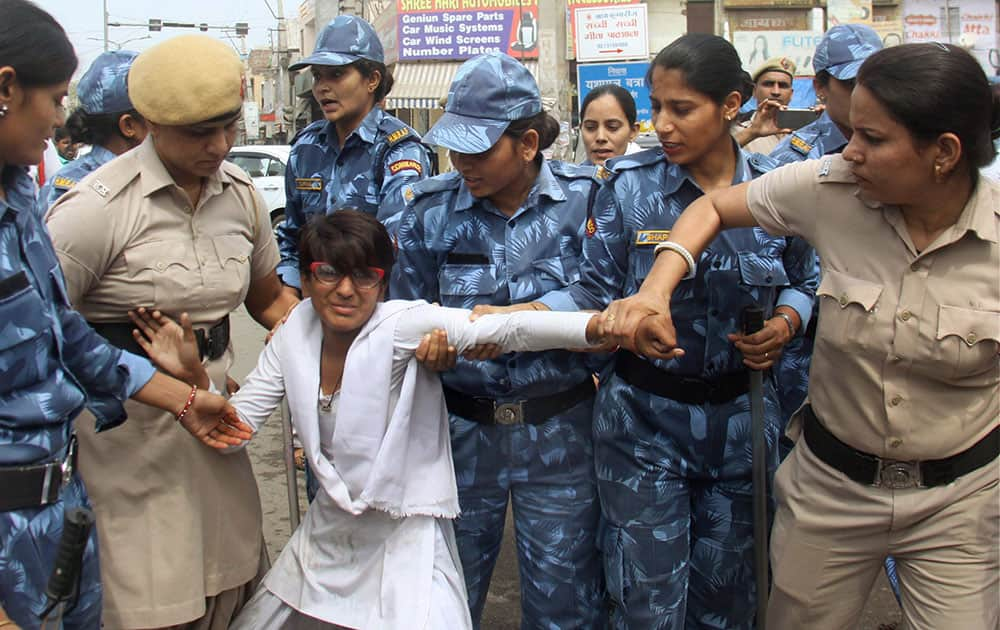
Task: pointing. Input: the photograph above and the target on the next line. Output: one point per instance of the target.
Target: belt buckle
(69, 463)
(898, 475)
(508, 413)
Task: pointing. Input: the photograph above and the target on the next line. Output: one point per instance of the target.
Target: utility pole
(105, 25)
(282, 86)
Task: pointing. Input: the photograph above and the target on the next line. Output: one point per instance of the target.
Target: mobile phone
(795, 118)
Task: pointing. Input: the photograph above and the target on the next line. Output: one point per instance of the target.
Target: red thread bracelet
(187, 405)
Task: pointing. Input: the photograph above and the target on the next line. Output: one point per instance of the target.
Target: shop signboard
(460, 29)
(612, 33)
(756, 47)
(630, 75)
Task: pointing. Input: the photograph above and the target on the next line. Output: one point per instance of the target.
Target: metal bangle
(788, 320)
(682, 252)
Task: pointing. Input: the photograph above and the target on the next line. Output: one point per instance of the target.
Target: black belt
(36, 485)
(887, 473)
(689, 390)
(212, 342)
(532, 411)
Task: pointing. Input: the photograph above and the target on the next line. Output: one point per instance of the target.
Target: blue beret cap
(844, 48)
(489, 92)
(104, 87)
(344, 40)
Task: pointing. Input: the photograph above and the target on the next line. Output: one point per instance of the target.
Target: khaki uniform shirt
(906, 358)
(178, 521)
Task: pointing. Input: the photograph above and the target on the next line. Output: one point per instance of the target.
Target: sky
(82, 20)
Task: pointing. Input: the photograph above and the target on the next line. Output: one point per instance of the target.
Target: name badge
(651, 237)
(313, 184)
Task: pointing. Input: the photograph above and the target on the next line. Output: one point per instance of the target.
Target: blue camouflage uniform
(377, 160)
(102, 90)
(460, 250)
(675, 478)
(51, 365)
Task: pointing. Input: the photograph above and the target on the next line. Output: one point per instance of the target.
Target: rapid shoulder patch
(406, 165)
(63, 182)
(800, 145)
(397, 135)
(311, 184)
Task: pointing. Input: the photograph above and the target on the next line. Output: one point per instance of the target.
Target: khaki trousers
(831, 535)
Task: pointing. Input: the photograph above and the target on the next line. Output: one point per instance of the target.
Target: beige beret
(776, 64)
(186, 80)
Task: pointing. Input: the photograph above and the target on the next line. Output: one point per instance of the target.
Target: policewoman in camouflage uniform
(358, 156)
(106, 120)
(51, 362)
(173, 226)
(672, 437)
(506, 228)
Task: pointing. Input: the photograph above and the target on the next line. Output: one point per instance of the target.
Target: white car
(265, 164)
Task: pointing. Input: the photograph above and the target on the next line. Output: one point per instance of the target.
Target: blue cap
(103, 89)
(344, 40)
(844, 48)
(489, 92)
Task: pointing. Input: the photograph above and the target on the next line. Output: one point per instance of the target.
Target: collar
(19, 188)
(367, 130)
(979, 214)
(546, 184)
(100, 154)
(676, 175)
(835, 140)
(154, 175)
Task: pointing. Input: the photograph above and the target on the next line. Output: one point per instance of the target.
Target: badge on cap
(63, 182)
(314, 184)
(591, 227)
(651, 237)
(100, 188)
(800, 145)
(403, 165)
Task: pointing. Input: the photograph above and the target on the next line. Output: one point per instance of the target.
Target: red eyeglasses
(362, 277)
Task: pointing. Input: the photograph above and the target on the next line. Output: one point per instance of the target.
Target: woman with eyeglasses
(376, 548)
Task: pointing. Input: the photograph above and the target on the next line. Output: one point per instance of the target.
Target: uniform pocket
(968, 339)
(848, 307)
(555, 272)
(762, 271)
(234, 252)
(25, 336)
(464, 286)
(171, 268)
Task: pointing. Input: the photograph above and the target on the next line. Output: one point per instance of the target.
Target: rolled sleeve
(139, 372)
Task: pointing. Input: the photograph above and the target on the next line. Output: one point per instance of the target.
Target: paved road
(503, 603)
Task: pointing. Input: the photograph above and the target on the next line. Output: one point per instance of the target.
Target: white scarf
(390, 457)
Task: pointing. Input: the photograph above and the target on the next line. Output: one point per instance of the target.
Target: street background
(503, 609)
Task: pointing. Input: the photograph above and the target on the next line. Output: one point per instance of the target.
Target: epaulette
(312, 128)
(111, 178)
(396, 131)
(635, 160)
(834, 169)
(62, 182)
(761, 163)
(451, 180)
(236, 173)
(569, 170)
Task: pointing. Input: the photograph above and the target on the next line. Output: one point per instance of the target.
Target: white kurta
(364, 568)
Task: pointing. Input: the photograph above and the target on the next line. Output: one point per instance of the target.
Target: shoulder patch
(800, 145)
(313, 184)
(834, 169)
(406, 165)
(63, 182)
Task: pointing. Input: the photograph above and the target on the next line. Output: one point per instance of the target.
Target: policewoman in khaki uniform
(171, 226)
(897, 449)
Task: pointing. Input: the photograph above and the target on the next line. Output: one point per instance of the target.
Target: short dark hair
(97, 129)
(620, 94)
(542, 122)
(368, 67)
(710, 64)
(34, 44)
(933, 89)
(63, 132)
(347, 239)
